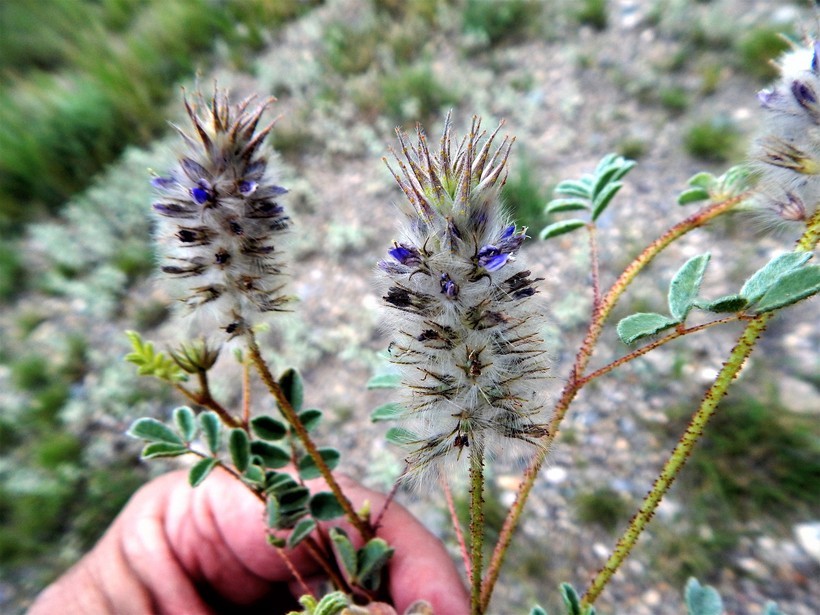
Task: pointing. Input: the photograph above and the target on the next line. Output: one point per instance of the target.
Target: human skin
(174, 549)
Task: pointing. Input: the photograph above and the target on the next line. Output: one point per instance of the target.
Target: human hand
(174, 549)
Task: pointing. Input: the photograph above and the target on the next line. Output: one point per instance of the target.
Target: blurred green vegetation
(498, 21)
(757, 48)
(82, 79)
(758, 463)
(712, 140)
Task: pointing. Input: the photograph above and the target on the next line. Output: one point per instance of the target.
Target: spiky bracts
(219, 218)
(787, 154)
(466, 334)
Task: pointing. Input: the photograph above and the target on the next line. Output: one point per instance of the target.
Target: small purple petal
(767, 97)
(448, 287)
(405, 255)
(496, 262)
(803, 93)
(163, 183)
(247, 187)
(200, 195)
(508, 231)
(814, 61)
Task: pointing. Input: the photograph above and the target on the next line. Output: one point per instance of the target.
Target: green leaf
(371, 561)
(211, 425)
(152, 363)
(273, 512)
(387, 412)
(153, 431)
(324, 506)
(239, 448)
(276, 541)
(401, 436)
(308, 468)
(602, 200)
(294, 500)
(571, 599)
(254, 474)
(156, 450)
(537, 610)
(278, 482)
(186, 423)
(685, 286)
(291, 384)
(272, 456)
(384, 381)
(727, 303)
(268, 428)
(200, 470)
(790, 288)
(330, 604)
(560, 228)
(702, 180)
(345, 550)
(692, 195)
(634, 327)
(702, 600)
(310, 418)
(556, 206)
(757, 285)
(301, 531)
(571, 187)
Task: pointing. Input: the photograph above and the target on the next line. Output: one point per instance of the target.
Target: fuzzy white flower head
(787, 153)
(218, 218)
(461, 306)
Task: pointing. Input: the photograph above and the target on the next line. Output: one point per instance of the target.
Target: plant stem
(204, 399)
(476, 525)
(574, 381)
(595, 267)
(462, 544)
(582, 382)
(293, 419)
(731, 368)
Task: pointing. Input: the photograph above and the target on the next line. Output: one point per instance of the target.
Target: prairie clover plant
(462, 307)
(464, 314)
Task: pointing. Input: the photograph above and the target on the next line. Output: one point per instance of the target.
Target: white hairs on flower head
(787, 152)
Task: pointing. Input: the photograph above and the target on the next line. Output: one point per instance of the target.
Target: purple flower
(404, 254)
(803, 93)
(163, 183)
(247, 187)
(492, 258)
(202, 193)
(448, 287)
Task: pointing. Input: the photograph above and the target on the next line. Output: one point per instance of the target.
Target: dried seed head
(219, 217)
(787, 153)
(461, 304)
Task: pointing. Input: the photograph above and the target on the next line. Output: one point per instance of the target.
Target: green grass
(593, 13)
(714, 140)
(757, 459)
(12, 272)
(497, 21)
(603, 507)
(63, 119)
(757, 48)
(414, 94)
(525, 196)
